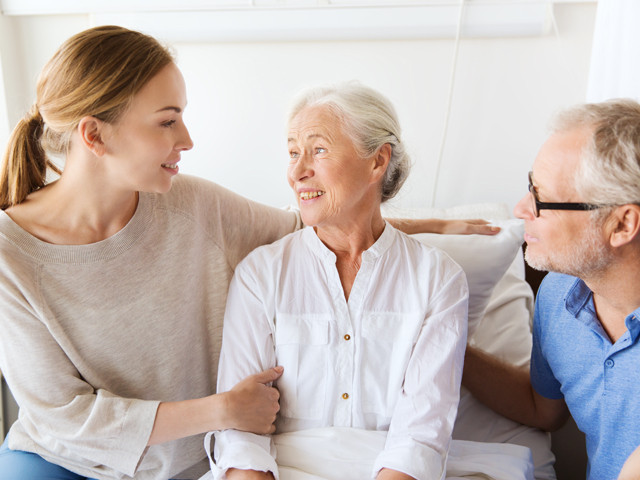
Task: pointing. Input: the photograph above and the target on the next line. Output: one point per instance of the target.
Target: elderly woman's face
(326, 173)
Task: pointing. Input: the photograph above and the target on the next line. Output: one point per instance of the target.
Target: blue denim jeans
(19, 465)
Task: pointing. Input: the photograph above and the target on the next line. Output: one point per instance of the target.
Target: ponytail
(24, 166)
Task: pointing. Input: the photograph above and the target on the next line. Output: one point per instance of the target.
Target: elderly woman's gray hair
(609, 170)
(369, 119)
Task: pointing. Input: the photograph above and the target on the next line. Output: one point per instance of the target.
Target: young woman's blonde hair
(94, 73)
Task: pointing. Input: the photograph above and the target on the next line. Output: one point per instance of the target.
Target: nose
(301, 169)
(184, 139)
(523, 208)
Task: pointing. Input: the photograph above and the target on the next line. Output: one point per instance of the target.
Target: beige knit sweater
(93, 337)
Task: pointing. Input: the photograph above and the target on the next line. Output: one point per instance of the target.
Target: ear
(625, 225)
(380, 162)
(91, 134)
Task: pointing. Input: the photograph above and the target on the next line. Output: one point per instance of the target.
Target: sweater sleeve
(62, 415)
(238, 225)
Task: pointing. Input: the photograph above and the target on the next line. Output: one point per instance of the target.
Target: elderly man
(582, 222)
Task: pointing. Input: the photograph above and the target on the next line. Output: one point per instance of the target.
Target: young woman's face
(143, 147)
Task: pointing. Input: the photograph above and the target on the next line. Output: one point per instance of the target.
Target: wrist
(219, 411)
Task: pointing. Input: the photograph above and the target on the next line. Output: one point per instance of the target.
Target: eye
(320, 150)
(168, 123)
(293, 155)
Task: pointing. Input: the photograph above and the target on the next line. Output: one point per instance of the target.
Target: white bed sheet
(336, 453)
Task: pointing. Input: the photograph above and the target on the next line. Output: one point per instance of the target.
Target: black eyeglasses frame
(538, 205)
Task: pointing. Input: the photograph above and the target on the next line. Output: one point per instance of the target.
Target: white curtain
(615, 57)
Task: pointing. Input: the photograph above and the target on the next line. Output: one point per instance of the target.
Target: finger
(268, 375)
(485, 229)
(476, 221)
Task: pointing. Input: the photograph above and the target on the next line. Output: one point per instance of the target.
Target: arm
(61, 402)
(89, 423)
(240, 225)
(448, 227)
(423, 417)
(250, 405)
(247, 346)
(508, 390)
(631, 468)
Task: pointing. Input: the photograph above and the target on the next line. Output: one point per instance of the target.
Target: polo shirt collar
(578, 303)
(633, 324)
(577, 297)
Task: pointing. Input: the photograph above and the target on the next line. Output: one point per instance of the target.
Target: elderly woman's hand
(449, 227)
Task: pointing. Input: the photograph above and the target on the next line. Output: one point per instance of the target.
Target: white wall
(505, 91)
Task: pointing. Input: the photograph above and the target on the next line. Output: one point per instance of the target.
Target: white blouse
(388, 359)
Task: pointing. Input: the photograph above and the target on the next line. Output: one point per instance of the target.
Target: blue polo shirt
(573, 358)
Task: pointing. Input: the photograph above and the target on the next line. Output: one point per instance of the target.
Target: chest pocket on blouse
(302, 349)
(387, 344)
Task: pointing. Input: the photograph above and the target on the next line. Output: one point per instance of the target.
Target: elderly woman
(369, 324)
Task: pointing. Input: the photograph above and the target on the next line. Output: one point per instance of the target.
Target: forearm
(388, 474)
(418, 225)
(250, 406)
(176, 420)
(411, 226)
(507, 390)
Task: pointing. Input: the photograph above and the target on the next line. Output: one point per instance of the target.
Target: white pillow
(484, 259)
(505, 332)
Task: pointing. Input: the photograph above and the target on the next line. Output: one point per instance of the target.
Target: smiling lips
(172, 166)
(310, 195)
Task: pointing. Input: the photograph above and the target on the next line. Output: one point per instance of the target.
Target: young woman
(113, 279)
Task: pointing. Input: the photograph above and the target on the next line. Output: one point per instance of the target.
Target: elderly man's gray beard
(587, 258)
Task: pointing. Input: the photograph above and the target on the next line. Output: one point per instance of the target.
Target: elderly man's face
(329, 178)
(560, 240)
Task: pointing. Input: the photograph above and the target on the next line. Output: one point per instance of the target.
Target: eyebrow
(175, 109)
(311, 136)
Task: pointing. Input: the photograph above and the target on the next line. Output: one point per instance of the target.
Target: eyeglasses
(538, 205)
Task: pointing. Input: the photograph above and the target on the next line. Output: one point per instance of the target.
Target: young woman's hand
(448, 227)
(252, 404)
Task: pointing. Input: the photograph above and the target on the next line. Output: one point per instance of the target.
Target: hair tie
(34, 116)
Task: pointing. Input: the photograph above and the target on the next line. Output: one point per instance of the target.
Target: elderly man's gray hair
(609, 171)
